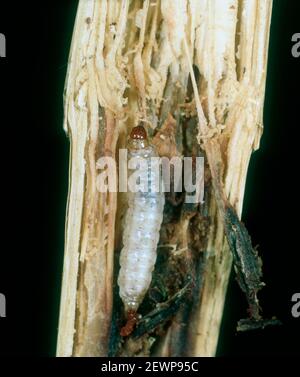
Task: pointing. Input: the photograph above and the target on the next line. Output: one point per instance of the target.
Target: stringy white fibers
(141, 232)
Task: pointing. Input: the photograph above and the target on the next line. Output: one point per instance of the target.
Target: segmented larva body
(141, 232)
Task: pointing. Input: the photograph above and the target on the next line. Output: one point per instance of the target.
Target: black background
(34, 167)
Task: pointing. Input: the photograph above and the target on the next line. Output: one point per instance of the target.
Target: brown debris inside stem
(132, 318)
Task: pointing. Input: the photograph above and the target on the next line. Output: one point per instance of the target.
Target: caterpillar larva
(141, 232)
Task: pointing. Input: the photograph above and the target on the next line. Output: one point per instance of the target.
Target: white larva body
(141, 235)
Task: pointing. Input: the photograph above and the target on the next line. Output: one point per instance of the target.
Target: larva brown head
(138, 133)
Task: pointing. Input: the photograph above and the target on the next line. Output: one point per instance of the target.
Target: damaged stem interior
(193, 73)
